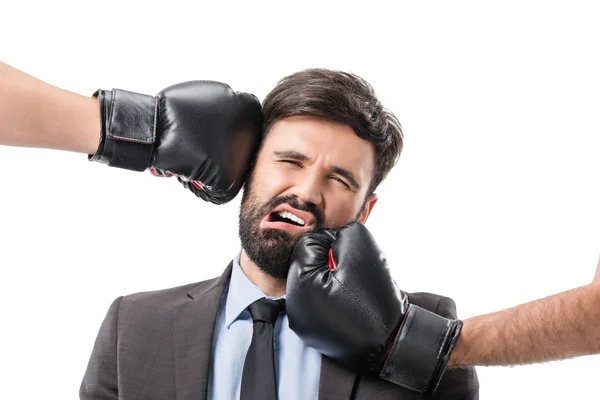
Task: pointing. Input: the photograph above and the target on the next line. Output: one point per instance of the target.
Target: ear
(369, 204)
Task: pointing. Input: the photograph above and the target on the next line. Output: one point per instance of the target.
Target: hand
(201, 131)
(342, 301)
(597, 276)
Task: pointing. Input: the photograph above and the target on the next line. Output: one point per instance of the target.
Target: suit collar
(194, 323)
(218, 283)
(241, 293)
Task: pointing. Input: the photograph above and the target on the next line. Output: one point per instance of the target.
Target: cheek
(270, 182)
(341, 210)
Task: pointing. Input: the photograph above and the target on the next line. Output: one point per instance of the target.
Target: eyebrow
(295, 155)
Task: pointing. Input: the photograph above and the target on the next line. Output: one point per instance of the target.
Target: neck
(266, 283)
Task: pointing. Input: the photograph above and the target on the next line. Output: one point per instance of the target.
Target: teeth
(289, 215)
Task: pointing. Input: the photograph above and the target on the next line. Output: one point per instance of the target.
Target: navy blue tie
(258, 378)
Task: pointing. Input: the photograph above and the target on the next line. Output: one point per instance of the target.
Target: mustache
(296, 203)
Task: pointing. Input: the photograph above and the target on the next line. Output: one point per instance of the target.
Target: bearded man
(307, 309)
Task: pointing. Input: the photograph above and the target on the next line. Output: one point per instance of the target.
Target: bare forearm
(36, 114)
(557, 327)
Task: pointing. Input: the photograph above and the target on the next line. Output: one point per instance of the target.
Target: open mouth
(287, 217)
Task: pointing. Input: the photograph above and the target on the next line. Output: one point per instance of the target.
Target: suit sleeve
(100, 381)
(456, 384)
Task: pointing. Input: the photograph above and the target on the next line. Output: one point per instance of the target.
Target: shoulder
(165, 299)
(152, 311)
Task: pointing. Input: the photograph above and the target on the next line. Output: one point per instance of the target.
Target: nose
(308, 189)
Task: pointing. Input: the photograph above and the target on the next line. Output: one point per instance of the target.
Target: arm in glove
(342, 301)
(201, 131)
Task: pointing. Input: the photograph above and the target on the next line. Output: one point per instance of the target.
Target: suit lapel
(194, 323)
(336, 382)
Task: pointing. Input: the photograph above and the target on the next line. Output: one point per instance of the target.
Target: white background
(495, 200)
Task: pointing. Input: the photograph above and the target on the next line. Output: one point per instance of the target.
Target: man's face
(309, 174)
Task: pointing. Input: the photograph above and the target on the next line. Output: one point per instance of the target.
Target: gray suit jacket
(157, 346)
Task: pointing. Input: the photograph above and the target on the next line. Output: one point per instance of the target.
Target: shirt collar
(242, 292)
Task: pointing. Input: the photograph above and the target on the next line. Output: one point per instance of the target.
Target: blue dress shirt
(297, 366)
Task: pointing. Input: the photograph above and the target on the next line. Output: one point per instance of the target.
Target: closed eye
(293, 162)
(341, 181)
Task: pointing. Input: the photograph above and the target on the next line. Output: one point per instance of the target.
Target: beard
(270, 249)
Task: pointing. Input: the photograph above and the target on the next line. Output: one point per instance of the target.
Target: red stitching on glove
(332, 263)
(153, 172)
(197, 185)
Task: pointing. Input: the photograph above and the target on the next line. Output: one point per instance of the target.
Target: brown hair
(341, 97)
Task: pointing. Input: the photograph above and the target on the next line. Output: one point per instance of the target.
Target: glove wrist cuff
(128, 129)
(419, 355)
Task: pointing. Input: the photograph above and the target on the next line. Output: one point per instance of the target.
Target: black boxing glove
(342, 301)
(201, 131)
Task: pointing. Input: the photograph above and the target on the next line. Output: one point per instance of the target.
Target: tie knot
(266, 310)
